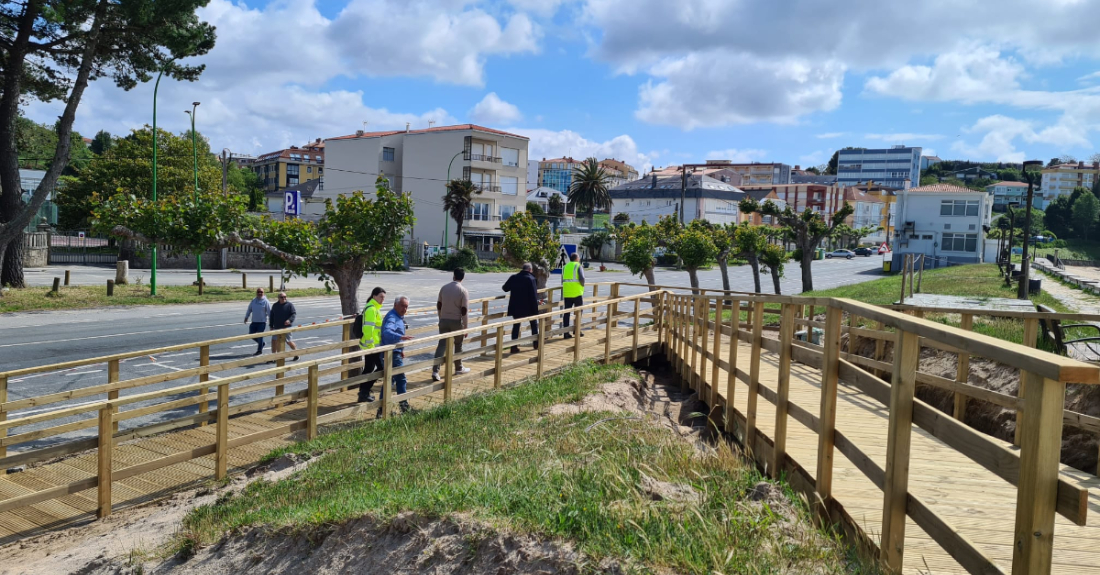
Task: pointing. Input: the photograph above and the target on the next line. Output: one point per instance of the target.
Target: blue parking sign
(292, 206)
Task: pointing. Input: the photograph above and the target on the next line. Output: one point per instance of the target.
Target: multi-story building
(1006, 193)
(945, 222)
(868, 211)
(929, 161)
(823, 198)
(755, 173)
(532, 174)
(888, 166)
(889, 197)
(652, 197)
(292, 166)
(1061, 179)
(417, 162)
(557, 173)
(620, 172)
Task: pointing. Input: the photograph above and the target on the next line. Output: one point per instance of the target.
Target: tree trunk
(11, 271)
(650, 278)
(542, 276)
(754, 263)
(723, 266)
(807, 273)
(693, 278)
(458, 231)
(347, 281)
(775, 279)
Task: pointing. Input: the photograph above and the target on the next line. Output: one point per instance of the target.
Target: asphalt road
(37, 338)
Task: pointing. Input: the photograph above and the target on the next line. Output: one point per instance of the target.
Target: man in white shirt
(452, 307)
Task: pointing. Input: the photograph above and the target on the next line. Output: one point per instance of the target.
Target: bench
(1054, 331)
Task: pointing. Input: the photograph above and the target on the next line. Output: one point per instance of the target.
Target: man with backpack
(372, 336)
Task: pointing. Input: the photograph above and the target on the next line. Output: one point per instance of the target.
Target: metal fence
(82, 248)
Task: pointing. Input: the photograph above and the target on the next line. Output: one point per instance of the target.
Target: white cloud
(1000, 133)
(492, 110)
(830, 135)
(709, 89)
(737, 156)
(1088, 78)
(902, 137)
(973, 74)
(814, 158)
(928, 152)
(567, 143)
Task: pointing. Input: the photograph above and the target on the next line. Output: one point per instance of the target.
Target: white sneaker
(436, 376)
(462, 371)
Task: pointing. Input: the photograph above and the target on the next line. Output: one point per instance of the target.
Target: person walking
(282, 317)
(393, 331)
(452, 306)
(372, 337)
(572, 288)
(258, 309)
(524, 301)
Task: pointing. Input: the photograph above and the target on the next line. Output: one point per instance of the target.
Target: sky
(651, 82)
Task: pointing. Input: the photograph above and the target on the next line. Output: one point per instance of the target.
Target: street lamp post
(156, 86)
(447, 217)
(195, 194)
(1021, 292)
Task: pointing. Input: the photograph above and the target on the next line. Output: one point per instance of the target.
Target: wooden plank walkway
(972, 500)
(80, 507)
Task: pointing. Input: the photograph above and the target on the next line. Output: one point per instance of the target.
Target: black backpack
(357, 327)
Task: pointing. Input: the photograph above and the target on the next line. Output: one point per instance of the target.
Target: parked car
(847, 254)
(866, 252)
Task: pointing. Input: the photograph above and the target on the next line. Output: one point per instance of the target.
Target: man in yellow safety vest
(372, 336)
(572, 288)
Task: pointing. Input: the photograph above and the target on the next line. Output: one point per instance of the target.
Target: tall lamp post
(1030, 176)
(195, 194)
(447, 217)
(156, 86)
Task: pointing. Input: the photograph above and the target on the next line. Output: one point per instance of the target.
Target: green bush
(464, 258)
(796, 255)
(1060, 244)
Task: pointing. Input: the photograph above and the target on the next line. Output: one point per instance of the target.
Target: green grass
(1074, 250)
(82, 297)
(500, 458)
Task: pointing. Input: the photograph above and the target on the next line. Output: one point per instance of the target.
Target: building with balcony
(290, 167)
(889, 197)
(824, 198)
(1008, 193)
(888, 166)
(754, 173)
(557, 173)
(652, 197)
(620, 172)
(1061, 179)
(868, 211)
(419, 162)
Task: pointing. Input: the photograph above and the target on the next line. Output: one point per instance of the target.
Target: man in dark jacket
(282, 316)
(524, 301)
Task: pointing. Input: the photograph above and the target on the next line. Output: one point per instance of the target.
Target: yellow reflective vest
(372, 325)
(570, 282)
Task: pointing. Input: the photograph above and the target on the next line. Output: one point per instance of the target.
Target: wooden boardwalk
(80, 507)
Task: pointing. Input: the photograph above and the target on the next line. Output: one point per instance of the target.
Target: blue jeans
(399, 380)
(257, 327)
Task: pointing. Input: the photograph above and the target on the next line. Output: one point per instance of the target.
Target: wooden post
(311, 411)
(56, 285)
(221, 453)
(204, 360)
(499, 359)
(704, 337)
(695, 374)
(595, 291)
(783, 387)
(244, 281)
(962, 372)
(484, 322)
(1037, 489)
(658, 307)
(920, 275)
(615, 307)
(898, 438)
(541, 355)
(277, 345)
(830, 367)
(104, 454)
(4, 415)
(607, 337)
(1031, 335)
(637, 327)
(66, 278)
(912, 268)
(345, 333)
(112, 377)
(110, 288)
(904, 267)
(731, 377)
(754, 375)
(387, 369)
(577, 315)
(270, 284)
(449, 370)
(880, 349)
(201, 284)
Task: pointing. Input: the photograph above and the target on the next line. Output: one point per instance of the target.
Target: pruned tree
(694, 246)
(355, 234)
(774, 257)
(458, 201)
(805, 229)
(749, 242)
(722, 236)
(639, 242)
(526, 240)
(51, 50)
(596, 242)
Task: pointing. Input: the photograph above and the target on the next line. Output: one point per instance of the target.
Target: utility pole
(1021, 292)
(683, 191)
(225, 172)
(195, 192)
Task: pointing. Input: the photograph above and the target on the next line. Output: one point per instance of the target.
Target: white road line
(84, 372)
(110, 335)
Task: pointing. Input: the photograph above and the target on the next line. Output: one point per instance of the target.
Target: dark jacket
(280, 312)
(525, 299)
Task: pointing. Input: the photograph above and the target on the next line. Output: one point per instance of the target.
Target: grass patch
(1074, 250)
(81, 297)
(497, 457)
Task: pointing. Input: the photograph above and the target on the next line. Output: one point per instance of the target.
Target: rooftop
(458, 127)
(1009, 184)
(941, 188)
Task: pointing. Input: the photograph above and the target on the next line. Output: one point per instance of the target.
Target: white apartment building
(417, 162)
(947, 223)
(1005, 193)
(1061, 179)
(652, 197)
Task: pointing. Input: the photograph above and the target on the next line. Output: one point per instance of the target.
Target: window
(509, 156)
(309, 169)
(387, 154)
(292, 170)
(507, 211)
(478, 212)
(926, 237)
(960, 242)
(959, 208)
(509, 185)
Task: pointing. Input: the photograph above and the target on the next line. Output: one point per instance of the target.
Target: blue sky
(653, 82)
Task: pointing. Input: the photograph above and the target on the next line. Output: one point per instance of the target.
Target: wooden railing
(1041, 490)
(113, 409)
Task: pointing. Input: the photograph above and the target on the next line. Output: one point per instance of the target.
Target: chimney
(406, 127)
(359, 132)
(797, 167)
(317, 141)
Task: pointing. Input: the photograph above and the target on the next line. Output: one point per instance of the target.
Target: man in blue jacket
(393, 331)
(258, 309)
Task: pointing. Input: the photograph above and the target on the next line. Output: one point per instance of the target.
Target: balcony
(482, 158)
(487, 188)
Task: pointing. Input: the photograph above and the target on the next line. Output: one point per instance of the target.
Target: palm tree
(459, 199)
(588, 192)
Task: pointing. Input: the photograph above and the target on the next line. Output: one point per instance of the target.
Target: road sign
(292, 206)
(80, 235)
(563, 257)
